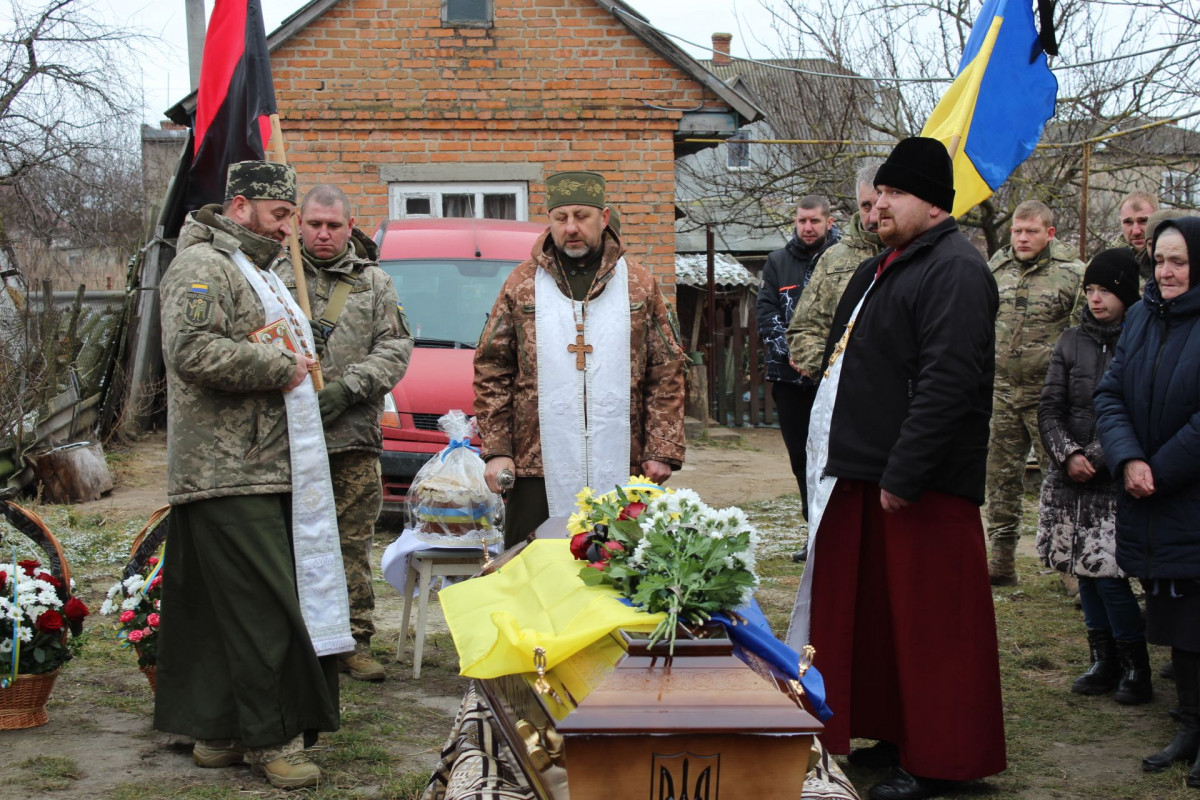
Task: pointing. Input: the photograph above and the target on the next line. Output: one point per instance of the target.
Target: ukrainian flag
(992, 116)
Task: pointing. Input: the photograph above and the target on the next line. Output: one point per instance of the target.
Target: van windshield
(447, 302)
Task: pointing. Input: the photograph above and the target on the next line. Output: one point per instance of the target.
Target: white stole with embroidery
(320, 574)
(820, 485)
(583, 414)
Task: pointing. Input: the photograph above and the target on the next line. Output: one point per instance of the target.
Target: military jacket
(809, 328)
(1038, 301)
(506, 374)
(370, 344)
(226, 422)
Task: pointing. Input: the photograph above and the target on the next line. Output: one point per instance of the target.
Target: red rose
(28, 566)
(579, 545)
(614, 547)
(50, 579)
(154, 583)
(3, 577)
(135, 636)
(152, 560)
(75, 610)
(631, 511)
(597, 564)
(49, 621)
(152, 619)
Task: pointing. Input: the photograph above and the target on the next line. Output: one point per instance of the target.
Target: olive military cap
(574, 189)
(261, 180)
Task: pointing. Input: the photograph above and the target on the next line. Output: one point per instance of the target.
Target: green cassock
(234, 657)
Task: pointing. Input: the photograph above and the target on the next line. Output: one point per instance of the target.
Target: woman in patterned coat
(1078, 515)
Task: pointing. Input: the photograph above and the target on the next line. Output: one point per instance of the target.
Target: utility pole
(195, 37)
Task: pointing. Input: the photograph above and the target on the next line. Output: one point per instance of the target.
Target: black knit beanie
(920, 166)
(1115, 269)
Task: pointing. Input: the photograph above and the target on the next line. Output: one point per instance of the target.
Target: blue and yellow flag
(992, 116)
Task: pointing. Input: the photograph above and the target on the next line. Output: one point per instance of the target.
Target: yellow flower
(585, 497)
(578, 523)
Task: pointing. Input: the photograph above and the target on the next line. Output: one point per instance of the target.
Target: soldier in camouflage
(364, 344)
(1134, 212)
(1040, 280)
(809, 327)
(236, 668)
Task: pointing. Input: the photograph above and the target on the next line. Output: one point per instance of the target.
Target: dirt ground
(100, 743)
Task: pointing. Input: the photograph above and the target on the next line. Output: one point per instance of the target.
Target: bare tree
(1121, 66)
(62, 85)
(65, 95)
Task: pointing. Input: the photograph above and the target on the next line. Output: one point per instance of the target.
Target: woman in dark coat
(1148, 415)
(1078, 514)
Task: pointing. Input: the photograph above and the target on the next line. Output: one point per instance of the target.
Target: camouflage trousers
(1014, 429)
(358, 495)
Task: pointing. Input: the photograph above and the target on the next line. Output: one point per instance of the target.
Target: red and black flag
(233, 107)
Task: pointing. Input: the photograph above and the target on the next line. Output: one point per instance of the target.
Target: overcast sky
(164, 69)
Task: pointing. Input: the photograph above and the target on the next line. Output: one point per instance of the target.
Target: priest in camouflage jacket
(237, 670)
(579, 374)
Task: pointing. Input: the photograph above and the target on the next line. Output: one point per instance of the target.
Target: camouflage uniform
(368, 351)
(226, 423)
(506, 379)
(229, 482)
(809, 328)
(1038, 301)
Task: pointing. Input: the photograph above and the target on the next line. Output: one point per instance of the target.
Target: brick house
(463, 107)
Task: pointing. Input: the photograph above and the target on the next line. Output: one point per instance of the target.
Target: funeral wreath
(137, 600)
(36, 613)
(666, 551)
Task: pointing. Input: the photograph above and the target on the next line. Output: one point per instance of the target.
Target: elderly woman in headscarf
(1148, 417)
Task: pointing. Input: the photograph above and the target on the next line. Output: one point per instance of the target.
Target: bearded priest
(579, 374)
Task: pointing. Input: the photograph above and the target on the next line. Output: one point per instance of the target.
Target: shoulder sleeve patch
(198, 305)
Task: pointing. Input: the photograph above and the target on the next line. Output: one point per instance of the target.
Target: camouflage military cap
(261, 180)
(574, 189)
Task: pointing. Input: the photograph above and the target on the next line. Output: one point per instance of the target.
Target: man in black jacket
(897, 582)
(785, 275)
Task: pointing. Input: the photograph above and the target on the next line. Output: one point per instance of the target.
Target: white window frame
(1180, 187)
(398, 192)
(740, 138)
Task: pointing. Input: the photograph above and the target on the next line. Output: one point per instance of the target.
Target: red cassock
(905, 632)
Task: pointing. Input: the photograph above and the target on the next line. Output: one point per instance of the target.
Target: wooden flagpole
(294, 248)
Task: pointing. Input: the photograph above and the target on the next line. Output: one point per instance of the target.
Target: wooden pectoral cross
(579, 348)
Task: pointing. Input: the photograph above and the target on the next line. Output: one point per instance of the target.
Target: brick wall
(555, 83)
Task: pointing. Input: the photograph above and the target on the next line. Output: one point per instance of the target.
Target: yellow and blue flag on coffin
(992, 116)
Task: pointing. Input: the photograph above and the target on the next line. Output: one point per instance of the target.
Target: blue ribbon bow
(457, 443)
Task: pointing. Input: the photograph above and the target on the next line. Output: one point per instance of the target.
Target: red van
(447, 273)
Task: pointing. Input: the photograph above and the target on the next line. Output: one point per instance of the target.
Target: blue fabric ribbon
(457, 443)
(754, 636)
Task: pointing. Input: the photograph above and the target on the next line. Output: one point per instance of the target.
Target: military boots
(1002, 565)
(360, 664)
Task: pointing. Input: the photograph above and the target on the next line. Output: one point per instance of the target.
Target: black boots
(1105, 672)
(1186, 743)
(1135, 687)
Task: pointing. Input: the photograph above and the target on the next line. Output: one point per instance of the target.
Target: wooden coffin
(619, 721)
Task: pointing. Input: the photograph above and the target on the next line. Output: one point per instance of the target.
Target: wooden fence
(739, 394)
